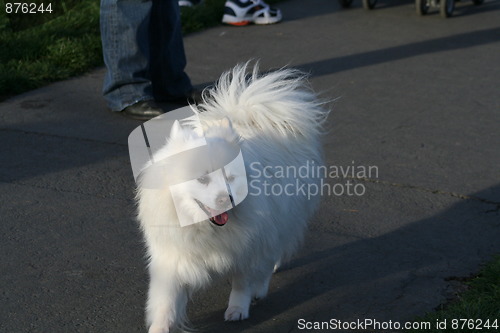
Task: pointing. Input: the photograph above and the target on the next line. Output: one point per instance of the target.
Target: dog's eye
(204, 180)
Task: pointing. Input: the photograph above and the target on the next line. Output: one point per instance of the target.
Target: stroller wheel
(446, 8)
(369, 4)
(422, 6)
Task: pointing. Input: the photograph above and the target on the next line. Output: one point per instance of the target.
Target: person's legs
(124, 33)
(167, 52)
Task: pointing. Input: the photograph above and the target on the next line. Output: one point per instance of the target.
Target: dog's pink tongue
(221, 219)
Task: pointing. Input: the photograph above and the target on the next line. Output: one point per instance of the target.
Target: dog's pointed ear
(176, 130)
(226, 123)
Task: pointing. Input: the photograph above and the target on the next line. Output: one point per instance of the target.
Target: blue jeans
(143, 51)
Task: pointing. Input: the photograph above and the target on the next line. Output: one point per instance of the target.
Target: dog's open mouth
(215, 216)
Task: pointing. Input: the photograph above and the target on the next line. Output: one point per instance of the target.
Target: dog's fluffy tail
(279, 102)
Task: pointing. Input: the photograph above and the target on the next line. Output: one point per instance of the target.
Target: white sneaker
(244, 12)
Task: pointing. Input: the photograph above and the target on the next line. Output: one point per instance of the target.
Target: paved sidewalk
(418, 97)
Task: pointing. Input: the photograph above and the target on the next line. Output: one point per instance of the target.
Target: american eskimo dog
(275, 120)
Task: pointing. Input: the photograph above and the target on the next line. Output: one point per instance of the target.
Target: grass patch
(42, 48)
(207, 14)
(480, 304)
(37, 49)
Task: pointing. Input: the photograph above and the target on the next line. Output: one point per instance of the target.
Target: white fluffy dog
(276, 120)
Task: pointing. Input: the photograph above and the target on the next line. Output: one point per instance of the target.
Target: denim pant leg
(168, 59)
(137, 44)
(124, 34)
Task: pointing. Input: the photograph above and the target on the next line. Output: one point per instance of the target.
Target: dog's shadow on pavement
(378, 262)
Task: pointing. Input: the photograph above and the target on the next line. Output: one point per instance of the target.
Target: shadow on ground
(392, 275)
(355, 61)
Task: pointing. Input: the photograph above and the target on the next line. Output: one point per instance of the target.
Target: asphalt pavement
(415, 98)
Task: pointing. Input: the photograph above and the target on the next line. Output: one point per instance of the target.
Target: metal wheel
(345, 3)
(422, 6)
(446, 7)
(369, 4)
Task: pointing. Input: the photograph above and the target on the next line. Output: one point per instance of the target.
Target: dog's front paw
(158, 329)
(235, 313)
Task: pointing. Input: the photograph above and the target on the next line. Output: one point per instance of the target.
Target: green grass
(37, 49)
(207, 14)
(481, 302)
(42, 48)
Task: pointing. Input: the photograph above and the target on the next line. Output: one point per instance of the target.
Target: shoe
(143, 110)
(189, 3)
(194, 96)
(239, 13)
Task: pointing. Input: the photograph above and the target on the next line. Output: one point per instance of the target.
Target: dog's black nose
(223, 201)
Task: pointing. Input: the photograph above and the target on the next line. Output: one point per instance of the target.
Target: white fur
(277, 121)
